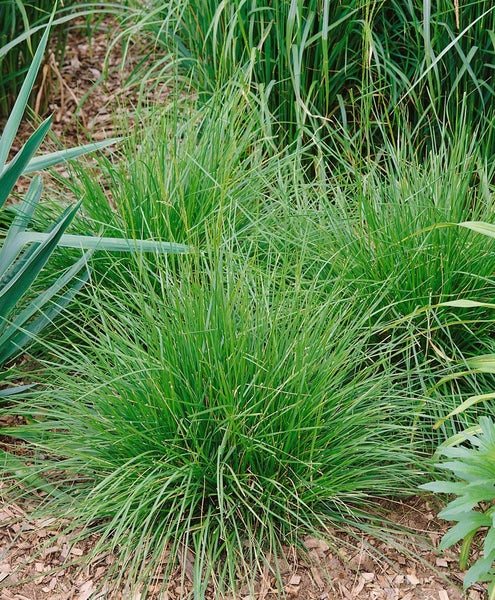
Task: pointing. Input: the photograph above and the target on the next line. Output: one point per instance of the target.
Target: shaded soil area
(38, 562)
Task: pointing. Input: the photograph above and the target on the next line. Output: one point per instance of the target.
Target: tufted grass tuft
(219, 411)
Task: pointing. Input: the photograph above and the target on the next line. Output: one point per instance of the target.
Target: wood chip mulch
(37, 563)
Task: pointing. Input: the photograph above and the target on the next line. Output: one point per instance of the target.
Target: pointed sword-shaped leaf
(12, 245)
(15, 117)
(14, 285)
(22, 329)
(11, 172)
(54, 158)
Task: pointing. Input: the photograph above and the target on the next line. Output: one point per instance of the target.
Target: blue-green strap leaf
(22, 330)
(17, 112)
(18, 389)
(54, 158)
(13, 244)
(22, 278)
(11, 173)
(86, 242)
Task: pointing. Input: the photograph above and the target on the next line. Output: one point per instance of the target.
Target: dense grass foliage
(320, 66)
(431, 58)
(220, 409)
(192, 170)
(23, 22)
(398, 234)
(310, 353)
(24, 253)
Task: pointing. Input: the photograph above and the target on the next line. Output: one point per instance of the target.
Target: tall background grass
(320, 66)
(22, 22)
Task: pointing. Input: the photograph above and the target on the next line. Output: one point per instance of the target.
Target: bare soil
(84, 103)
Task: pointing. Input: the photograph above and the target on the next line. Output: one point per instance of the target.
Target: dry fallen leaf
(359, 587)
(317, 578)
(186, 559)
(310, 543)
(76, 551)
(441, 562)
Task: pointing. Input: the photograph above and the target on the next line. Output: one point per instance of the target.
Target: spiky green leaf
(14, 120)
(11, 173)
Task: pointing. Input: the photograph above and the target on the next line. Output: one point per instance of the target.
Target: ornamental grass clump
(215, 416)
(186, 173)
(393, 231)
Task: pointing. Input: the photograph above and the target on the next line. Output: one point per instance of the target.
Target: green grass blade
(483, 364)
(13, 464)
(25, 20)
(433, 64)
(467, 304)
(464, 406)
(92, 10)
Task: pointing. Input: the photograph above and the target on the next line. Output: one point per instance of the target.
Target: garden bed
(39, 561)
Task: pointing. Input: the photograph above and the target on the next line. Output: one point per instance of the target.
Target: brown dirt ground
(416, 572)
